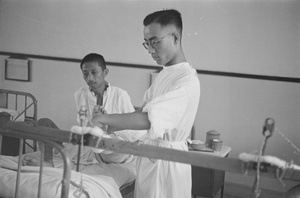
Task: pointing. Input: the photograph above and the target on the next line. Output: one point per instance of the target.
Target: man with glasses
(169, 111)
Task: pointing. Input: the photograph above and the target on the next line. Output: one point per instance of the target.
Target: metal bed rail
(140, 149)
(17, 100)
(290, 172)
(67, 162)
(25, 104)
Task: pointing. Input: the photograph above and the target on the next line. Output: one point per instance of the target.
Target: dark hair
(93, 57)
(164, 18)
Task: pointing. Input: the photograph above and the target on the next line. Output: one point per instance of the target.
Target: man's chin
(159, 62)
(92, 89)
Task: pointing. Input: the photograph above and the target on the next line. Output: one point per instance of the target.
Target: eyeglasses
(154, 43)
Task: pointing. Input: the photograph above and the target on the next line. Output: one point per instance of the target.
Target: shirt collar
(107, 89)
(174, 67)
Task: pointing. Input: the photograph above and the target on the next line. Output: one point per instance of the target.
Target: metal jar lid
(213, 132)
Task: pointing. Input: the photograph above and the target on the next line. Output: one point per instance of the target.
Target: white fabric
(99, 184)
(122, 173)
(95, 131)
(248, 157)
(171, 103)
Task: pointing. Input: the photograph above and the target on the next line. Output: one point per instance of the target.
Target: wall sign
(17, 69)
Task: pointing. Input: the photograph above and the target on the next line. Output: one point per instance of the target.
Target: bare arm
(135, 121)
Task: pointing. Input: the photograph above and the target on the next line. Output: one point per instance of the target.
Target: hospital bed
(22, 107)
(25, 181)
(113, 180)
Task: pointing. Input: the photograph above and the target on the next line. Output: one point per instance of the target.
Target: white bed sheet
(122, 173)
(99, 180)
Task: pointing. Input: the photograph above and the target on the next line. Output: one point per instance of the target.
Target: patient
(98, 95)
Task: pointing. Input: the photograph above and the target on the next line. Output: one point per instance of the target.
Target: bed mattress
(98, 180)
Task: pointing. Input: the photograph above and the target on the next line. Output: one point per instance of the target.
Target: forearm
(134, 121)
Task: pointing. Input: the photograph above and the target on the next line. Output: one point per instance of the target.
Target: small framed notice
(17, 69)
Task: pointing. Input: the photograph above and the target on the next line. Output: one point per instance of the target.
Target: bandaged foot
(95, 131)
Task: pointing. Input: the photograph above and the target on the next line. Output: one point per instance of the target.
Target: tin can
(210, 135)
(4, 118)
(217, 144)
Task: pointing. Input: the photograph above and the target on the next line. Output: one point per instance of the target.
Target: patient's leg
(29, 160)
(48, 157)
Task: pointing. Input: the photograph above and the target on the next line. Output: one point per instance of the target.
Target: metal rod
(41, 169)
(21, 142)
(78, 157)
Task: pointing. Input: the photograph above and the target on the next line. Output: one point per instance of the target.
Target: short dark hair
(164, 18)
(94, 57)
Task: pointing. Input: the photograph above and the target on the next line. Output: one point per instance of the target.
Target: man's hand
(97, 112)
(99, 109)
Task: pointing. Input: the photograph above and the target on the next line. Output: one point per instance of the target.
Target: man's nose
(89, 77)
(151, 49)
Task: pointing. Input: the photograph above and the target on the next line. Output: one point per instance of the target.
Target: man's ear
(106, 71)
(176, 37)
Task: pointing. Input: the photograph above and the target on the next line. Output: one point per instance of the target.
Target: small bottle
(217, 144)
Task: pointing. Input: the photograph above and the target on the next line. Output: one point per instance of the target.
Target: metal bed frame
(49, 136)
(25, 104)
(67, 162)
(12, 100)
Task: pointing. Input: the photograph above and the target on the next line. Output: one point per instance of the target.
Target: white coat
(171, 103)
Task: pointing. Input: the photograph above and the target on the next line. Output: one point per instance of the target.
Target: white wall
(259, 37)
(239, 36)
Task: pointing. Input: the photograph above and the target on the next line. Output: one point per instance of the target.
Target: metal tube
(41, 170)
(19, 167)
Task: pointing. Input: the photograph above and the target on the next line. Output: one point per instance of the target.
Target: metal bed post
(38, 137)
(66, 171)
(21, 142)
(28, 105)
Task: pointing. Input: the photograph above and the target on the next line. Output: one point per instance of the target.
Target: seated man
(99, 95)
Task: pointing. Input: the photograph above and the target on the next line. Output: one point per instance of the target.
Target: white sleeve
(165, 111)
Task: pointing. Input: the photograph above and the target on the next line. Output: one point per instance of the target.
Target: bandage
(247, 157)
(95, 131)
